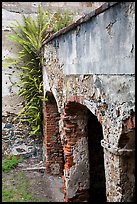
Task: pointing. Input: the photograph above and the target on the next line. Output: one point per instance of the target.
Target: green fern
(61, 20)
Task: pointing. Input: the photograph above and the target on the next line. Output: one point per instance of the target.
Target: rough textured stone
(16, 139)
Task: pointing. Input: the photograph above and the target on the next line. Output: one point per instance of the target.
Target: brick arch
(84, 174)
(52, 142)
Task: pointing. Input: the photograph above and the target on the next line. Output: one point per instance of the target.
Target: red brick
(130, 123)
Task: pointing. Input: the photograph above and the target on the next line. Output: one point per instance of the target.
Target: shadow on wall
(97, 191)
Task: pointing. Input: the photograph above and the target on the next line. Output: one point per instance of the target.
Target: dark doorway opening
(97, 191)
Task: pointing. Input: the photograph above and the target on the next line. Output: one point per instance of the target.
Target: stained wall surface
(12, 11)
(89, 48)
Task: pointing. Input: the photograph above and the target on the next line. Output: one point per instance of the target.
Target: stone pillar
(112, 172)
(120, 164)
(127, 159)
(75, 146)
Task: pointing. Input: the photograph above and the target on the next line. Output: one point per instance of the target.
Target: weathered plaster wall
(31, 7)
(88, 52)
(11, 11)
(107, 89)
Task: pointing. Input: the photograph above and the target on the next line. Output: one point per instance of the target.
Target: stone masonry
(11, 102)
(89, 70)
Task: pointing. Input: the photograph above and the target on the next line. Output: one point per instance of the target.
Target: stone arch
(84, 174)
(52, 141)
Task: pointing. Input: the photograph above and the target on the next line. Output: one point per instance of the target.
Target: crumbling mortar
(117, 151)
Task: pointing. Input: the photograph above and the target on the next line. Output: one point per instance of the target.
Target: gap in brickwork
(97, 191)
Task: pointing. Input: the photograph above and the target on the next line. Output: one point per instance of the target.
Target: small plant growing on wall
(28, 38)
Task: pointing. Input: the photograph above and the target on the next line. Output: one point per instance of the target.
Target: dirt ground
(41, 185)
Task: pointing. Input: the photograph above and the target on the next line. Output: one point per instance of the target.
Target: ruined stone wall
(31, 7)
(96, 76)
(11, 11)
